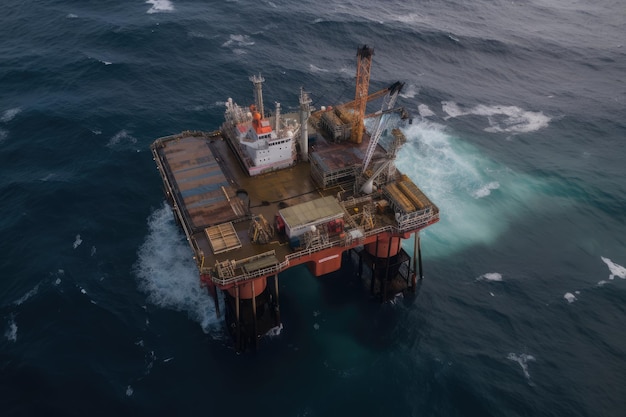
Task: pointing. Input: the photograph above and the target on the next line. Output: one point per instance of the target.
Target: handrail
(291, 257)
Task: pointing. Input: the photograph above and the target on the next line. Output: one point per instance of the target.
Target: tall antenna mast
(258, 81)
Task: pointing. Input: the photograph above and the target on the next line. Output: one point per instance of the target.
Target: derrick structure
(364, 63)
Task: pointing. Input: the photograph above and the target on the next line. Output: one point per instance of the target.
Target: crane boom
(381, 122)
(376, 95)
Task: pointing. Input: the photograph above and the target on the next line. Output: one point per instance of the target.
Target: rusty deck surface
(205, 194)
(337, 156)
(207, 186)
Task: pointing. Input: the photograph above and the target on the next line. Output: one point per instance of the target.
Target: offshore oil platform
(269, 191)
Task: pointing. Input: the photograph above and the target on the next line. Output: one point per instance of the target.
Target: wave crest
(159, 6)
(167, 273)
(510, 119)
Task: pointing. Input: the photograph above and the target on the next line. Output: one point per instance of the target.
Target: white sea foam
(9, 115)
(450, 171)
(315, 68)
(93, 250)
(11, 331)
(33, 291)
(452, 109)
(570, 297)
(159, 6)
(71, 16)
(238, 41)
(274, 331)
(121, 136)
(425, 111)
(77, 241)
(410, 18)
(485, 190)
(616, 270)
(490, 276)
(129, 391)
(501, 118)
(168, 275)
(410, 91)
(522, 360)
(60, 273)
(3, 135)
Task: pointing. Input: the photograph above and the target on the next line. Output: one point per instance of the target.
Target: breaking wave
(9, 115)
(460, 180)
(570, 297)
(485, 190)
(120, 137)
(167, 273)
(615, 269)
(32, 292)
(159, 6)
(238, 41)
(490, 276)
(522, 360)
(501, 118)
(11, 331)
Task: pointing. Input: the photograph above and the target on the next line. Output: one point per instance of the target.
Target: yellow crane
(364, 63)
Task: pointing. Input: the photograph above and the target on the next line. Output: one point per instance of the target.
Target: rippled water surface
(517, 135)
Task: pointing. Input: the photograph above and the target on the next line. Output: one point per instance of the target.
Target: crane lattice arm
(381, 122)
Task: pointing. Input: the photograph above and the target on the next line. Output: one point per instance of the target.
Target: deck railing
(422, 218)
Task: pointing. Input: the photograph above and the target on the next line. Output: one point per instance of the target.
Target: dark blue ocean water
(518, 135)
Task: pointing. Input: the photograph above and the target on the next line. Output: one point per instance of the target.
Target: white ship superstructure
(263, 144)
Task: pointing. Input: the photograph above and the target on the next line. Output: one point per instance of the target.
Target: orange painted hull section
(384, 247)
(245, 289)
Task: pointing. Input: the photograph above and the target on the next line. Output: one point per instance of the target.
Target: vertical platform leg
(385, 280)
(374, 272)
(419, 256)
(238, 317)
(276, 300)
(414, 268)
(254, 323)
